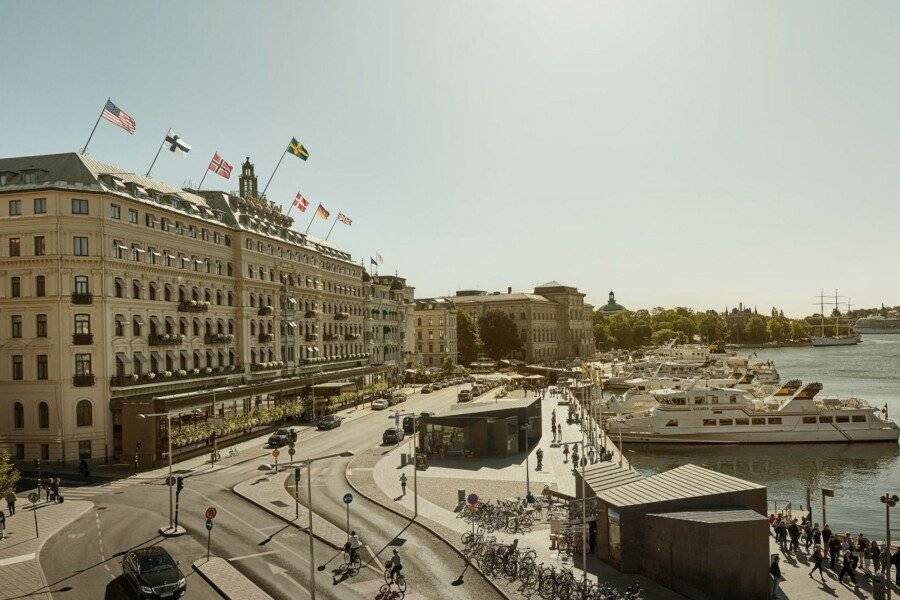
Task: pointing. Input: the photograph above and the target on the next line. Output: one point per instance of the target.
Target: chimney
(509, 290)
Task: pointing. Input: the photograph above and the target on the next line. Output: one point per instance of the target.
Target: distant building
(435, 332)
(612, 307)
(389, 312)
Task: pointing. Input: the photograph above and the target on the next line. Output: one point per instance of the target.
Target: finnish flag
(176, 143)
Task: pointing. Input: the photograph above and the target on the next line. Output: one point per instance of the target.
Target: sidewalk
(227, 580)
(20, 570)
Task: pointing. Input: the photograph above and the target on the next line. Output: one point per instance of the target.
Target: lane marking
(16, 559)
(234, 558)
(375, 558)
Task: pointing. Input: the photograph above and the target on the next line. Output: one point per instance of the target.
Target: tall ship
(847, 338)
(792, 415)
(877, 324)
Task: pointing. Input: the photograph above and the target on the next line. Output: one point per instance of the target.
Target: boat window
(672, 423)
(842, 419)
(859, 418)
(774, 420)
(732, 399)
(717, 412)
(709, 422)
(742, 421)
(758, 421)
(714, 399)
(679, 401)
(826, 419)
(726, 422)
(698, 399)
(809, 419)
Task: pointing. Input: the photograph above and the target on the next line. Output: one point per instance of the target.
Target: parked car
(392, 435)
(399, 397)
(464, 396)
(407, 424)
(281, 438)
(426, 389)
(380, 404)
(152, 573)
(328, 422)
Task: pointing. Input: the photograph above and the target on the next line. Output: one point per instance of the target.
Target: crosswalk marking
(84, 492)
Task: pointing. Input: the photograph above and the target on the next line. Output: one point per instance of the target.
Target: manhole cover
(279, 503)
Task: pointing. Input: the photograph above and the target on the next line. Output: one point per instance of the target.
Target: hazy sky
(681, 153)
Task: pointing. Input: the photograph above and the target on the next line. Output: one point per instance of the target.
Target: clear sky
(681, 153)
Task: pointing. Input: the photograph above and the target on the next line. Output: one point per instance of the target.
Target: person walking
(834, 549)
(2, 525)
(559, 432)
(818, 558)
(816, 535)
(775, 574)
(565, 453)
(874, 553)
(794, 532)
(862, 552)
(807, 534)
(826, 535)
(10, 498)
(895, 561)
(847, 568)
(403, 484)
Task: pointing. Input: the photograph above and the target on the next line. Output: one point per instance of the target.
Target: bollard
(404, 459)
(461, 495)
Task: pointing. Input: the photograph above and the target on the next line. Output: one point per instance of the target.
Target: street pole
(309, 502)
(296, 492)
(889, 502)
(348, 519)
(169, 480)
(583, 515)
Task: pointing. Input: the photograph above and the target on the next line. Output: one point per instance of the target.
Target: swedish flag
(297, 149)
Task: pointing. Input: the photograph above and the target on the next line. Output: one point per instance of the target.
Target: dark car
(328, 422)
(281, 438)
(152, 573)
(392, 435)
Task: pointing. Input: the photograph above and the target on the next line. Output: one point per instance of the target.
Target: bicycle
(350, 566)
(388, 591)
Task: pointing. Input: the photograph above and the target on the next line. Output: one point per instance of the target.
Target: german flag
(297, 149)
(322, 213)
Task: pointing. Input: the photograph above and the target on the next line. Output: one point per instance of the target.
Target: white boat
(683, 417)
(850, 338)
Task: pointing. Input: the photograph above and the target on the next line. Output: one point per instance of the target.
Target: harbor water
(858, 473)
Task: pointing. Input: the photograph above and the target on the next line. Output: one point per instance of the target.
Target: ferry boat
(787, 417)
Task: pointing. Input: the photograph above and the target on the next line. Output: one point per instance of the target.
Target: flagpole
(202, 179)
(283, 154)
(332, 229)
(161, 144)
(83, 150)
(311, 221)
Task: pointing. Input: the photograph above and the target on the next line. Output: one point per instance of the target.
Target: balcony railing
(169, 376)
(193, 306)
(312, 337)
(264, 366)
(218, 338)
(166, 339)
(79, 298)
(265, 311)
(311, 314)
(82, 380)
(265, 338)
(351, 336)
(330, 337)
(82, 339)
(341, 316)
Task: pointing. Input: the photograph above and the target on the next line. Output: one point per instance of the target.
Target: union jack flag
(220, 167)
(344, 219)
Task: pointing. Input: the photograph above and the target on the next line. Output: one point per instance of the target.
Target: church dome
(612, 306)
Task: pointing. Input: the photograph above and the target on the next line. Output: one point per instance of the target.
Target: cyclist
(353, 545)
(394, 565)
(403, 483)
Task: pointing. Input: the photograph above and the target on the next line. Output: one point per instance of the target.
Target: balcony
(330, 337)
(86, 380)
(82, 339)
(341, 316)
(351, 337)
(218, 338)
(193, 306)
(166, 339)
(312, 337)
(311, 314)
(79, 298)
(265, 338)
(170, 376)
(267, 366)
(265, 311)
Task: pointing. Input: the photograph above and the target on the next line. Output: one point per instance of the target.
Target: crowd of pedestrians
(845, 555)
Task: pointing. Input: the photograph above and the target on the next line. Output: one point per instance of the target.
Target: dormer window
(137, 190)
(7, 177)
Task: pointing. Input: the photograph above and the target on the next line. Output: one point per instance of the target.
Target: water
(858, 473)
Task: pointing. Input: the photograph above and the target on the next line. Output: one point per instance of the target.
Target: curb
(212, 583)
(429, 530)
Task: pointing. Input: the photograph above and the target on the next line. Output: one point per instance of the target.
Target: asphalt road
(83, 560)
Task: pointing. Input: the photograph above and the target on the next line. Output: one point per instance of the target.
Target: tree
(661, 336)
(448, 366)
(779, 329)
(620, 330)
(498, 334)
(710, 327)
(799, 330)
(756, 331)
(641, 333)
(467, 339)
(602, 338)
(9, 475)
(686, 326)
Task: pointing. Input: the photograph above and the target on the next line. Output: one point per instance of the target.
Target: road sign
(209, 524)
(827, 492)
(33, 497)
(275, 453)
(211, 513)
(170, 481)
(472, 499)
(291, 451)
(348, 498)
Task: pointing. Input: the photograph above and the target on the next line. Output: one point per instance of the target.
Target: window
(859, 418)
(151, 291)
(154, 255)
(774, 420)
(809, 420)
(758, 421)
(115, 211)
(16, 326)
(136, 323)
(709, 422)
(40, 286)
(41, 366)
(842, 419)
(136, 289)
(81, 285)
(82, 324)
(17, 367)
(15, 208)
(84, 414)
(826, 419)
(84, 449)
(18, 417)
(120, 326)
(672, 423)
(726, 422)
(40, 246)
(79, 207)
(118, 288)
(83, 364)
(15, 287)
(14, 247)
(40, 206)
(80, 245)
(40, 325)
(132, 216)
(149, 220)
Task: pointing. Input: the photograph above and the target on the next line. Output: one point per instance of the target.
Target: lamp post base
(172, 531)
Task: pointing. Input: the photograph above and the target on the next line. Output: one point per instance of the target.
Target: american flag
(118, 117)
(300, 202)
(218, 166)
(344, 219)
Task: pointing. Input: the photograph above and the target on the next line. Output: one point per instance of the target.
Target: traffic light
(293, 436)
(179, 484)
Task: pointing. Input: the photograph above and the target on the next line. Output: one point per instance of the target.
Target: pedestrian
(57, 485)
(895, 561)
(874, 553)
(10, 498)
(2, 525)
(816, 535)
(862, 552)
(775, 573)
(807, 535)
(847, 569)
(818, 557)
(592, 456)
(403, 484)
(559, 432)
(794, 532)
(565, 453)
(781, 535)
(834, 549)
(826, 535)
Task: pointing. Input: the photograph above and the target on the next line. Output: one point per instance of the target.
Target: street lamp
(312, 559)
(889, 502)
(171, 530)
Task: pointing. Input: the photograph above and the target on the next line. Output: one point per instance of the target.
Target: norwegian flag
(344, 219)
(301, 203)
(220, 167)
